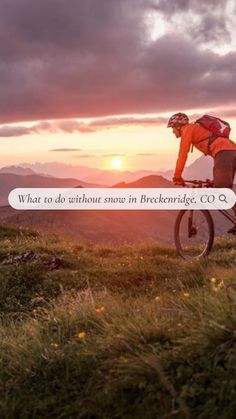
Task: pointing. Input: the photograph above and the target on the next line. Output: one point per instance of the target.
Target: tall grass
(116, 332)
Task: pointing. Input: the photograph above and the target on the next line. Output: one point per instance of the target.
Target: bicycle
(194, 229)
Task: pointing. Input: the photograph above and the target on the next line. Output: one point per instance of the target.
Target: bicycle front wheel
(194, 233)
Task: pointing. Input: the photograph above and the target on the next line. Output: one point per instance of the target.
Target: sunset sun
(116, 164)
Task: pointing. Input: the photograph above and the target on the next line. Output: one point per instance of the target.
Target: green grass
(125, 332)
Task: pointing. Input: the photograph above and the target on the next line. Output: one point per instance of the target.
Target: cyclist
(222, 149)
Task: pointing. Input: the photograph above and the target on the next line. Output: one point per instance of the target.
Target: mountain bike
(194, 229)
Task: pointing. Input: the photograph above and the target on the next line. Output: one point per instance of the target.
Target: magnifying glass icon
(222, 198)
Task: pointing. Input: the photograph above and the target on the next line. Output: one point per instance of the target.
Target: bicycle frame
(227, 215)
(208, 184)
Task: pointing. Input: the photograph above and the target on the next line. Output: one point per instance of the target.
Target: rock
(54, 263)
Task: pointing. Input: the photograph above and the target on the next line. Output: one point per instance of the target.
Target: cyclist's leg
(224, 170)
(233, 175)
(234, 168)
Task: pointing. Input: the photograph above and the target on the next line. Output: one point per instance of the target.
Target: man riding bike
(221, 149)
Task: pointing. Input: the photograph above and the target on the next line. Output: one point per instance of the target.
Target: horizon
(35, 166)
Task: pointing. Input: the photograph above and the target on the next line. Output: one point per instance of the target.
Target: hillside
(93, 331)
(109, 226)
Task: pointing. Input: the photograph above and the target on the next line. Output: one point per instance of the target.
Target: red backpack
(216, 126)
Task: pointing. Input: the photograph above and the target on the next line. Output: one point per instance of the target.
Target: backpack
(216, 126)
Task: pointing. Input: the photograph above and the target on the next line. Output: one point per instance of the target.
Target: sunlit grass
(131, 331)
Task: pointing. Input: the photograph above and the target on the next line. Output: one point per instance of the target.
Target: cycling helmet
(178, 120)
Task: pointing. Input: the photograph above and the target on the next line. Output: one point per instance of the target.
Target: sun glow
(116, 164)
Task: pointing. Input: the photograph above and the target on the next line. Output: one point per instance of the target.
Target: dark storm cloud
(57, 57)
(34, 28)
(188, 77)
(91, 58)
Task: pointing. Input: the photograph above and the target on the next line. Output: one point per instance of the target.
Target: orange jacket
(194, 134)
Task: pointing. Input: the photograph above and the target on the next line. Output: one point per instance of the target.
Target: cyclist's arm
(185, 143)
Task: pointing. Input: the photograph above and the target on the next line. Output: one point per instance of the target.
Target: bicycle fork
(192, 231)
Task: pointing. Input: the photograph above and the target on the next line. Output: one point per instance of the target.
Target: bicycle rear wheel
(194, 233)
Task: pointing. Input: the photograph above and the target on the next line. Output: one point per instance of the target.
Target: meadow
(131, 331)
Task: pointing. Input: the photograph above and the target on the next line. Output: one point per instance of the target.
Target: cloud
(65, 149)
(67, 127)
(147, 154)
(73, 126)
(127, 120)
(84, 156)
(168, 7)
(206, 22)
(95, 58)
(7, 131)
(114, 155)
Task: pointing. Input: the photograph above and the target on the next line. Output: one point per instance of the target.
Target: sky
(94, 82)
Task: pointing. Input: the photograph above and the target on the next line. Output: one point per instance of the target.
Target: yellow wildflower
(186, 295)
(213, 280)
(81, 335)
(221, 284)
(100, 309)
(54, 345)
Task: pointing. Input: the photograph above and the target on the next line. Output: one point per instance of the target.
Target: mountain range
(87, 174)
(201, 168)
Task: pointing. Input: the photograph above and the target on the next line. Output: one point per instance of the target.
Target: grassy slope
(128, 332)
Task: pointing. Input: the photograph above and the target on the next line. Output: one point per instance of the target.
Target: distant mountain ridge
(200, 169)
(87, 174)
(10, 181)
(17, 170)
